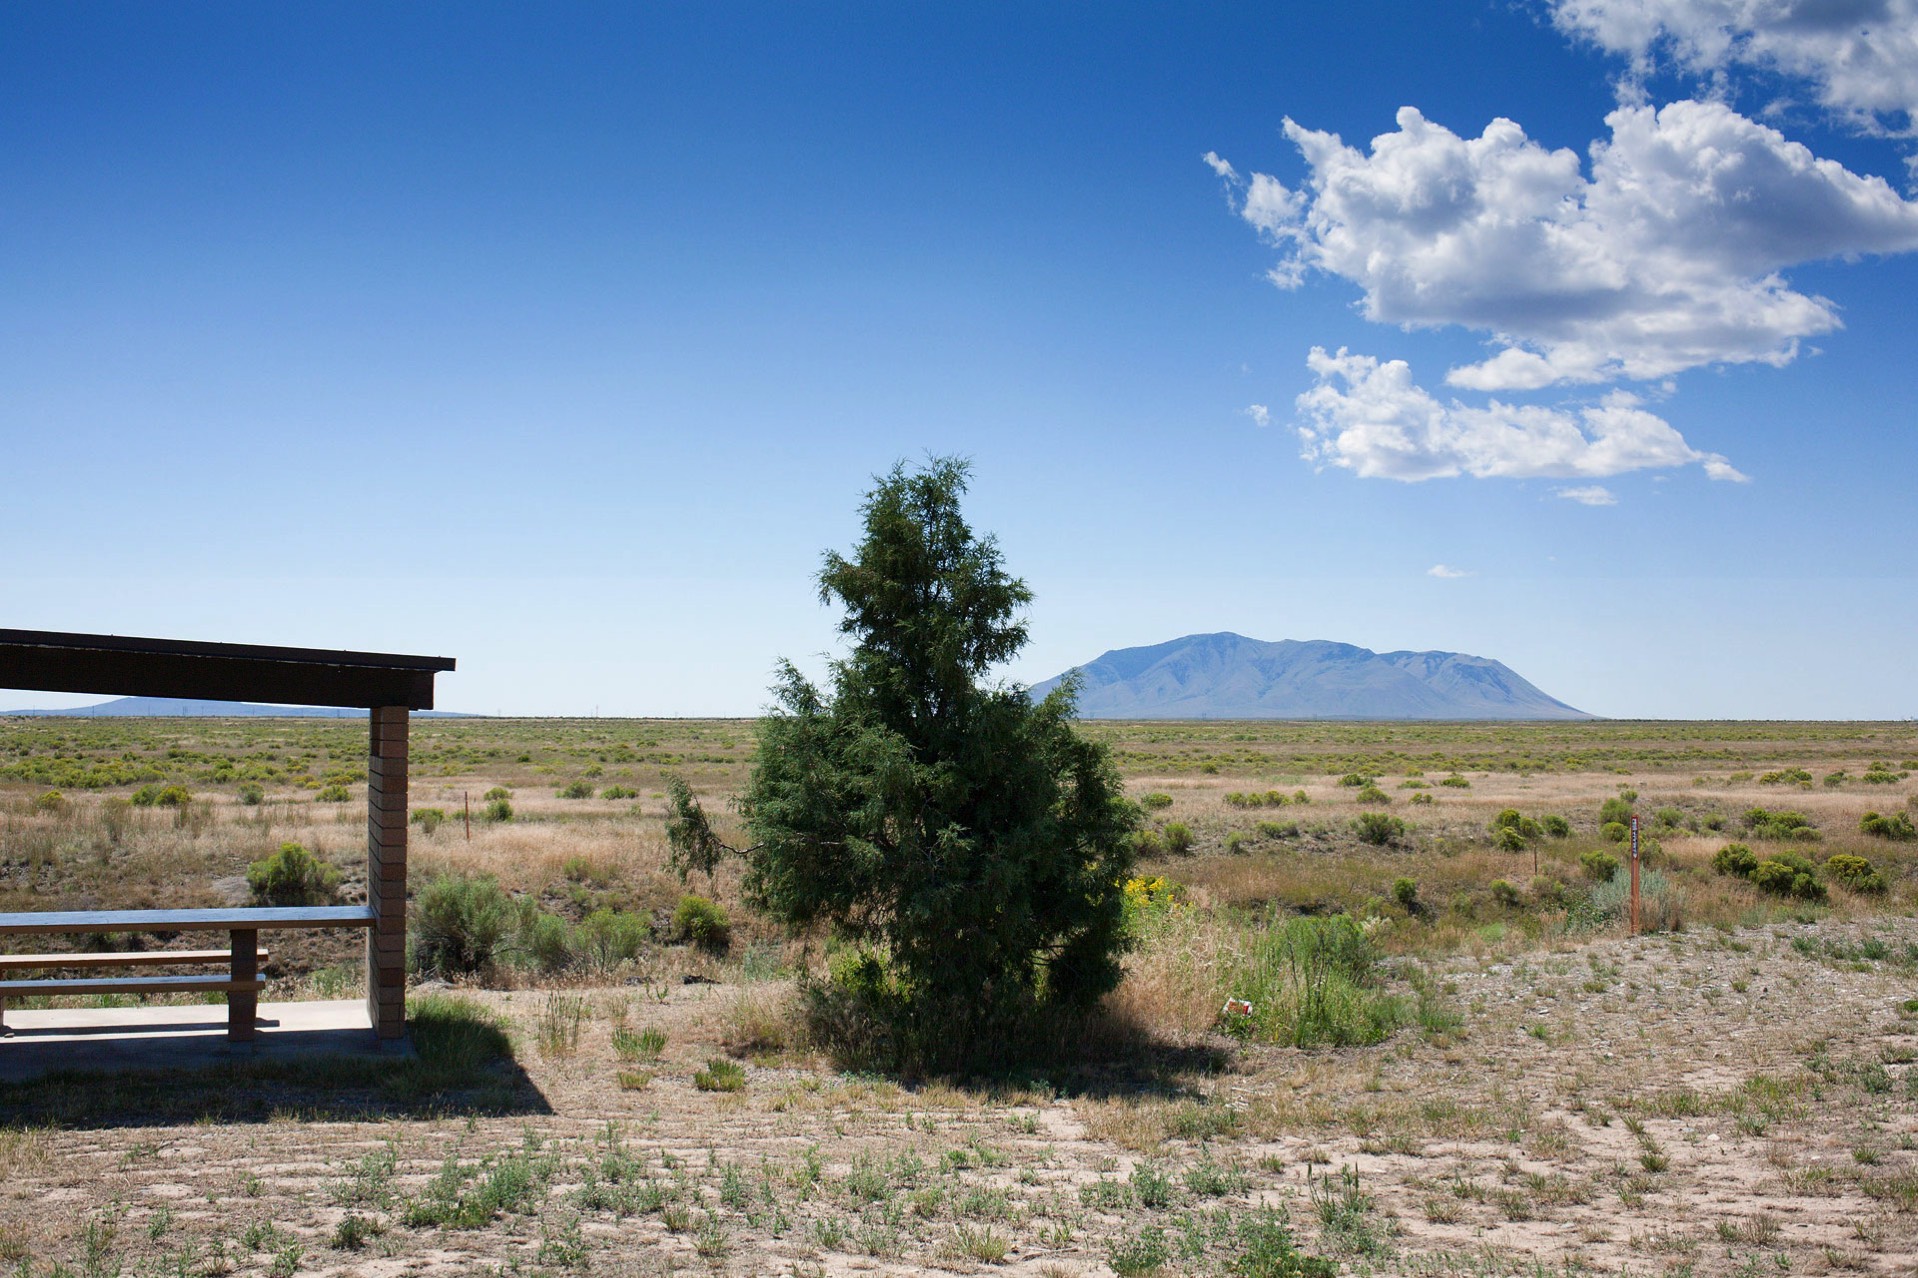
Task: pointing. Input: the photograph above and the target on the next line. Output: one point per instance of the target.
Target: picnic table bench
(241, 983)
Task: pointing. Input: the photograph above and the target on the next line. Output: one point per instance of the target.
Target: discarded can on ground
(1236, 1007)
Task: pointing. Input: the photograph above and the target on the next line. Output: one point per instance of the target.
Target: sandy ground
(1705, 1103)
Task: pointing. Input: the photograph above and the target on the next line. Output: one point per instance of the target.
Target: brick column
(386, 872)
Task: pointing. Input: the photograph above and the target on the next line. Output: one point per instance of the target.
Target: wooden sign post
(1634, 874)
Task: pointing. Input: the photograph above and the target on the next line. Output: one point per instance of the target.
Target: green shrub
(606, 938)
(497, 810)
(1897, 826)
(334, 793)
(1549, 890)
(1457, 782)
(1670, 818)
(1178, 837)
(251, 794)
(1153, 802)
(619, 792)
(1266, 1249)
(1788, 874)
(1505, 892)
(1356, 780)
(1764, 824)
(1507, 819)
(1838, 778)
(1312, 982)
(1278, 829)
(460, 923)
(1147, 843)
(1736, 859)
(1557, 826)
(1506, 838)
(577, 790)
(1406, 892)
(1786, 776)
(1616, 831)
(1421, 799)
(1235, 840)
(161, 796)
(1529, 829)
(1615, 809)
(1378, 828)
(51, 801)
(1598, 865)
(1372, 794)
(1856, 873)
(497, 792)
(292, 876)
(702, 922)
(428, 819)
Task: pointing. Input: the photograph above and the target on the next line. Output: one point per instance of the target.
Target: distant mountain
(1227, 676)
(176, 708)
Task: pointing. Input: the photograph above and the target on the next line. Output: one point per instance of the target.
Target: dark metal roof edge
(222, 651)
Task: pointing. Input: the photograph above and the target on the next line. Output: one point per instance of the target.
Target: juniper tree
(966, 839)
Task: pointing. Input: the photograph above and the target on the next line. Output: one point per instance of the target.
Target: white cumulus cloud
(1859, 56)
(1668, 256)
(1259, 413)
(1371, 418)
(1590, 495)
(1446, 572)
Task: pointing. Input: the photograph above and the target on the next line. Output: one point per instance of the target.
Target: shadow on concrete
(118, 1067)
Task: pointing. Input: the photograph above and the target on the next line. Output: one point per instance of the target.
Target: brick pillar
(386, 872)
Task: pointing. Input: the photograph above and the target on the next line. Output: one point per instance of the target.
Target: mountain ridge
(1223, 675)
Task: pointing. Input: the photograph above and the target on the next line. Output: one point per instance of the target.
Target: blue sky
(564, 339)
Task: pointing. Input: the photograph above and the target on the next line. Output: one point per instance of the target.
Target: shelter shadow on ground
(461, 1062)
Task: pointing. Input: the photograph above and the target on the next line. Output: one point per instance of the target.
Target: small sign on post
(1634, 874)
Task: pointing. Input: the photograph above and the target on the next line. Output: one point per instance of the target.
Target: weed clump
(292, 876)
(703, 923)
(1735, 859)
(459, 923)
(576, 790)
(721, 1075)
(1378, 828)
(1897, 826)
(1598, 865)
(1313, 982)
(1788, 874)
(1765, 824)
(1856, 873)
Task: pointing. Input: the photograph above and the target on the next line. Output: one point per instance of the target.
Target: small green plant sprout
(1599, 866)
(640, 1045)
(721, 1075)
(292, 876)
(577, 790)
(1735, 859)
(1856, 873)
(1378, 828)
(1897, 826)
(702, 922)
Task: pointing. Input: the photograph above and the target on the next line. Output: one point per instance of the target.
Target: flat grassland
(1512, 1084)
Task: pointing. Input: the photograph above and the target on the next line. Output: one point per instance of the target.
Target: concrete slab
(120, 1038)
